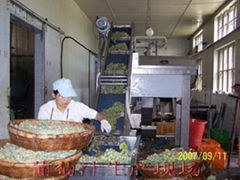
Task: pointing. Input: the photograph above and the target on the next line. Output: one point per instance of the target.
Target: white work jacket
(75, 111)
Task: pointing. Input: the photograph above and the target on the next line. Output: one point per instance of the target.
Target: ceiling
(170, 18)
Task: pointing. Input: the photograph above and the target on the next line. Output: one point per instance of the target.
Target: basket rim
(11, 129)
(30, 164)
(45, 178)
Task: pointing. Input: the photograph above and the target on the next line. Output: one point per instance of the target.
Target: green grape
(211, 177)
(114, 112)
(123, 146)
(165, 156)
(48, 127)
(11, 152)
(116, 66)
(102, 140)
(110, 66)
(114, 89)
(119, 47)
(124, 34)
(118, 35)
(109, 156)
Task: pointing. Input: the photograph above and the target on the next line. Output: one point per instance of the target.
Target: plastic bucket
(196, 130)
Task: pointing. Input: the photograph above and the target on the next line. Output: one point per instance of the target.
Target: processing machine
(153, 78)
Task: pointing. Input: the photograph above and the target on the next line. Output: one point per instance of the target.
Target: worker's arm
(100, 116)
(105, 126)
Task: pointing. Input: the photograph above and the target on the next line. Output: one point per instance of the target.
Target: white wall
(207, 55)
(175, 47)
(71, 19)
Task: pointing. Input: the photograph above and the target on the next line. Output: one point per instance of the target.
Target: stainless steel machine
(154, 77)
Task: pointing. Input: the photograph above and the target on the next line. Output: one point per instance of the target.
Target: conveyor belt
(106, 101)
(117, 58)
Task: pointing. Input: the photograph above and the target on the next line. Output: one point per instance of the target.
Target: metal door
(4, 68)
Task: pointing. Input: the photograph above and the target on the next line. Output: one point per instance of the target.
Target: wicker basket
(56, 169)
(44, 142)
(63, 177)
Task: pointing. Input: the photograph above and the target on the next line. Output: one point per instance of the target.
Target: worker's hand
(105, 126)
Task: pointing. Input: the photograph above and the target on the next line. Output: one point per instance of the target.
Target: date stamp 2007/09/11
(206, 156)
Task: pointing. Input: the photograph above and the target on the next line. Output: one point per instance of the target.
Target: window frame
(198, 41)
(224, 25)
(222, 70)
(199, 80)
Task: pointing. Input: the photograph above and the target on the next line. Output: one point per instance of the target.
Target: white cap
(64, 87)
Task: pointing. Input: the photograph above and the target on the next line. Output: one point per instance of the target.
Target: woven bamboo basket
(44, 142)
(63, 177)
(51, 170)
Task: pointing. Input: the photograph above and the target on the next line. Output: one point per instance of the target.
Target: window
(225, 69)
(198, 86)
(198, 42)
(226, 21)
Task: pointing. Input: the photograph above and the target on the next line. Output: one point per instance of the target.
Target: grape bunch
(118, 35)
(166, 156)
(114, 89)
(119, 47)
(48, 127)
(109, 156)
(116, 66)
(11, 152)
(114, 112)
(102, 140)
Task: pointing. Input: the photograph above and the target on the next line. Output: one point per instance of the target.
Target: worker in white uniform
(63, 107)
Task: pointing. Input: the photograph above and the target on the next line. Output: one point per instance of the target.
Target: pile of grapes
(109, 156)
(11, 152)
(48, 127)
(113, 113)
(116, 66)
(118, 36)
(167, 156)
(113, 89)
(2, 177)
(119, 47)
(102, 140)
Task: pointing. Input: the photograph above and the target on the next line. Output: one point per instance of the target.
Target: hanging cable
(61, 57)
(149, 30)
(148, 14)
(180, 19)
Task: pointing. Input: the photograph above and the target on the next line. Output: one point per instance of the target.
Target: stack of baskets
(56, 169)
